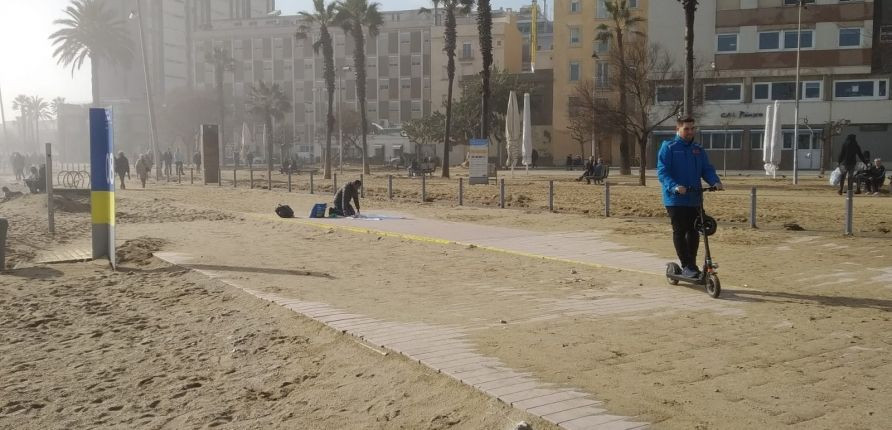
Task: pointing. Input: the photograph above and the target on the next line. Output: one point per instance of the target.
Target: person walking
(682, 165)
(143, 168)
(196, 160)
(122, 167)
(849, 155)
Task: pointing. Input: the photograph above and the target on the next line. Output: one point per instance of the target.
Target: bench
(600, 174)
(425, 168)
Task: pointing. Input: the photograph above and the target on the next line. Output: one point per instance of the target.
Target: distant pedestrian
(18, 165)
(168, 163)
(122, 167)
(196, 160)
(849, 155)
(178, 162)
(143, 167)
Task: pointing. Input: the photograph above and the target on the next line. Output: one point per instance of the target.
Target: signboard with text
(478, 161)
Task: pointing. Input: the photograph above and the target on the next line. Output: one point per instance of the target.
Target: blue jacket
(683, 163)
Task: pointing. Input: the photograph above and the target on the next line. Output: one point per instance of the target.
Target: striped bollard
(102, 185)
(753, 208)
(423, 188)
(390, 187)
(551, 195)
(289, 180)
(461, 191)
(311, 183)
(502, 193)
(607, 199)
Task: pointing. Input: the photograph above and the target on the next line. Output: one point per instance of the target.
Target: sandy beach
(800, 337)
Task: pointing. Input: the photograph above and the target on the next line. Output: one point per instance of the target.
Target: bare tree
(645, 66)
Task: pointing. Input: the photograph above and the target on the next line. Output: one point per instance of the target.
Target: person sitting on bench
(350, 191)
(595, 172)
(36, 182)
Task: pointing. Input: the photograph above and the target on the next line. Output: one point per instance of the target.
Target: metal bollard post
(252, 177)
(289, 180)
(753, 208)
(234, 178)
(362, 188)
(334, 183)
(551, 195)
(4, 226)
(461, 191)
(607, 199)
(191, 175)
(311, 183)
(423, 188)
(502, 193)
(50, 205)
(390, 187)
(850, 197)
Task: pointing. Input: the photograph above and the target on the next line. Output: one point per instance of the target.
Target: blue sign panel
(102, 158)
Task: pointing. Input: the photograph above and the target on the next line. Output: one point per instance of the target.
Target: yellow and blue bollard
(102, 181)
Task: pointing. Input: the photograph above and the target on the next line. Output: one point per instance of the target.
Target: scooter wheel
(672, 269)
(713, 285)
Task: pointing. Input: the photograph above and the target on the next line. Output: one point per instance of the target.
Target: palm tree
(222, 62)
(22, 104)
(91, 32)
(56, 109)
(451, 7)
(40, 109)
(265, 103)
(623, 24)
(323, 16)
(690, 6)
(484, 28)
(353, 16)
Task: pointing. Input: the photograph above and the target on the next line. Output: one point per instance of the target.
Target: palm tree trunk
(625, 162)
(359, 64)
(450, 72)
(37, 133)
(330, 124)
(94, 78)
(690, 6)
(269, 152)
(484, 25)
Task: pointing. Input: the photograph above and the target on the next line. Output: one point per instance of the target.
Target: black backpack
(284, 211)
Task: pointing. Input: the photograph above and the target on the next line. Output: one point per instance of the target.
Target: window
(876, 89)
(726, 42)
(796, 2)
(849, 37)
(466, 50)
(602, 76)
(723, 93)
(574, 6)
(574, 71)
(574, 36)
(721, 139)
(807, 39)
(603, 46)
(809, 90)
(807, 139)
(769, 40)
(670, 94)
(601, 10)
(633, 4)
(756, 137)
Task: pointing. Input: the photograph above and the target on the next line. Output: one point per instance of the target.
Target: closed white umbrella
(527, 133)
(246, 141)
(512, 130)
(773, 140)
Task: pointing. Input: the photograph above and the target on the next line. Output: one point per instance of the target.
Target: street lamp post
(145, 68)
(796, 110)
(594, 93)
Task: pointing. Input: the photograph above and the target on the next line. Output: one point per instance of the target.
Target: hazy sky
(27, 65)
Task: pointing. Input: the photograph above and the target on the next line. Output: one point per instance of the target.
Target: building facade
(398, 74)
(748, 48)
(575, 33)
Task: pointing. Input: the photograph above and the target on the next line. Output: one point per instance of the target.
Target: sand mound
(139, 250)
(73, 205)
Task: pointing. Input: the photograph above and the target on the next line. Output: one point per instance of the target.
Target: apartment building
(168, 27)
(748, 48)
(575, 32)
(398, 67)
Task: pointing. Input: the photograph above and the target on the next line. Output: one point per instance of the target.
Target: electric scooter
(709, 277)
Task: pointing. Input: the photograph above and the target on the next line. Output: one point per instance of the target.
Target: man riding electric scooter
(681, 165)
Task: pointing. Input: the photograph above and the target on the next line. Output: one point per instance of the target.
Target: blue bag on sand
(318, 210)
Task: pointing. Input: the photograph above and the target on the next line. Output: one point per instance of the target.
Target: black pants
(685, 237)
(346, 210)
(848, 172)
